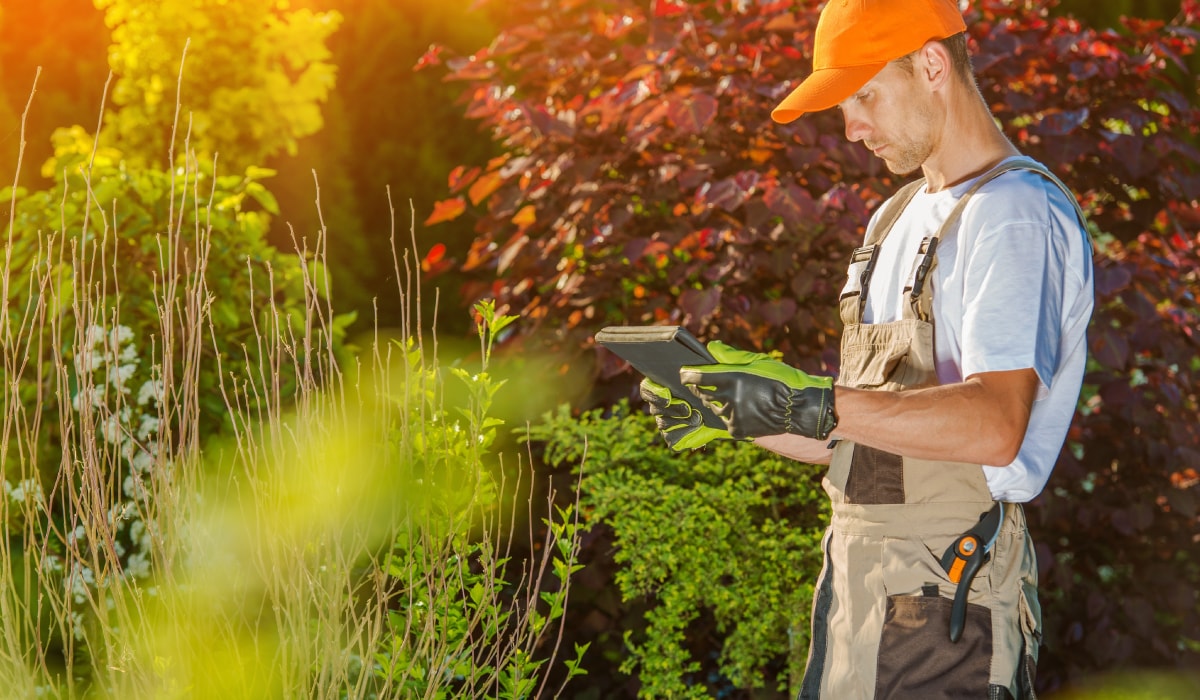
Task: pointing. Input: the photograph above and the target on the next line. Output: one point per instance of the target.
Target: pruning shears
(963, 559)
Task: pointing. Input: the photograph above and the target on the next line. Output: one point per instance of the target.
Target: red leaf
(548, 124)
(431, 57)
(699, 304)
(724, 194)
(778, 312)
(1111, 279)
(460, 177)
(484, 187)
(790, 202)
(475, 67)
(1059, 122)
(834, 199)
(526, 217)
(1130, 152)
(480, 253)
(669, 8)
(435, 262)
(446, 210)
(435, 255)
(1110, 348)
(695, 240)
(693, 113)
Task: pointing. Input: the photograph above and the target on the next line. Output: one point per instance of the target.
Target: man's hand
(757, 395)
(681, 425)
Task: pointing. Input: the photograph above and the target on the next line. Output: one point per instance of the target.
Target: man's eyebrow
(854, 95)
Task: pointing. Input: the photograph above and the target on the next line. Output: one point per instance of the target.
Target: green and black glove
(681, 425)
(757, 395)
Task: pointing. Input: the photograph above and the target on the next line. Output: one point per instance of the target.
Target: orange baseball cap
(855, 39)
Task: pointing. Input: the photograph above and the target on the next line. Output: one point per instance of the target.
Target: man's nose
(856, 128)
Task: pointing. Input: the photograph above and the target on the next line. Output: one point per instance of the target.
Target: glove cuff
(811, 413)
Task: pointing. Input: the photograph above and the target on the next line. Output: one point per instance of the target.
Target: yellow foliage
(253, 79)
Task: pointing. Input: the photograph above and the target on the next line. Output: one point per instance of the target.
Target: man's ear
(934, 64)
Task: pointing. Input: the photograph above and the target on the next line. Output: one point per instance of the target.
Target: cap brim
(824, 89)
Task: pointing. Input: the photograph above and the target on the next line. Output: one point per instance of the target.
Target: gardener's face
(894, 117)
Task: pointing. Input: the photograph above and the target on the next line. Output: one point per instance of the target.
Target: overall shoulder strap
(887, 219)
(1017, 164)
(862, 260)
(920, 293)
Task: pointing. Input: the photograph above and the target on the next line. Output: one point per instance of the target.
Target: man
(962, 357)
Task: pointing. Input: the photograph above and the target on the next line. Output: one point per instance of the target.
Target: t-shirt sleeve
(1013, 294)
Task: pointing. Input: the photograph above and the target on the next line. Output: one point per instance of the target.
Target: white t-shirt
(1012, 290)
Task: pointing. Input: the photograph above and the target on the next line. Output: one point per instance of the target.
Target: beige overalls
(881, 611)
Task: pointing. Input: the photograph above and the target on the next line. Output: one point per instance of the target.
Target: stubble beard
(912, 153)
(909, 157)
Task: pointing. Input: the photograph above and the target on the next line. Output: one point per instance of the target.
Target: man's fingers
(706, 386)
(654, 394)
(709, 395)
(678, 410)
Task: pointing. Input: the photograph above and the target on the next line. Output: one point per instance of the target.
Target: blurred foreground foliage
(280, 529)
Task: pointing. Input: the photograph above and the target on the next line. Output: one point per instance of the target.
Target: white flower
(119, 376)
(138, 566)
(79, 580)
(148, 427)
(143, 461)
(75, 535)
(95, 335)
(95, 396)
(111, 429)
(83, 363)
(29, 490)
(129, 354)
(51, 564)
(134, 488)
(119, 336)
(139, 535)
(150, 391)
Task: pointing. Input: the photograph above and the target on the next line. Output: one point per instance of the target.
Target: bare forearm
(799, 448)
(981, 420)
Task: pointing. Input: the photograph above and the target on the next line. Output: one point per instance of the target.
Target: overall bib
(881, 609)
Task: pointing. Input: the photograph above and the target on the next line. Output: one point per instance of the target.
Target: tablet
(658, 352)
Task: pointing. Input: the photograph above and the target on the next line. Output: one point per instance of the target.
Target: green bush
(164, 247)
(466, 620)
(732, 532)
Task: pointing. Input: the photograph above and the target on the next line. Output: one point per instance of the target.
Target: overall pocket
(887, 355)
(1031, 631)
(917, 658)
